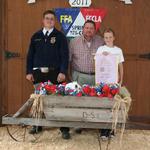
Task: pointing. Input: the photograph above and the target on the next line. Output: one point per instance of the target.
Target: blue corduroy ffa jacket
(51, 51)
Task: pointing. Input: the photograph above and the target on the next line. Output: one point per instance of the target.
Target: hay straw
(37, 107)
(122, 102)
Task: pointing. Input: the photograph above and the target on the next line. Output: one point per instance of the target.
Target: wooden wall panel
(14, 65)
(3, 107)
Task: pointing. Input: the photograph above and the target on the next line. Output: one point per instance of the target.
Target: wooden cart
(64, 111)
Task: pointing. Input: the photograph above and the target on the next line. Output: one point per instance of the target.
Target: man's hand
(61, 77)
(30, 77)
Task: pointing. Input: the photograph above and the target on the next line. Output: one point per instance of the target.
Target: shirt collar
(49, 31)
(86, 40)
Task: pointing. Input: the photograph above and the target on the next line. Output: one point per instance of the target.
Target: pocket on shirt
(38, 43)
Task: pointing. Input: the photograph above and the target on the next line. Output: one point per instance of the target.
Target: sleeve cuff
(29, 72)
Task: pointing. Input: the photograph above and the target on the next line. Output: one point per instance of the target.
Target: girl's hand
(120, 83)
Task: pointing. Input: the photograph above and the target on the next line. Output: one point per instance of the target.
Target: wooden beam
(28, 104)
(47, 123)
(6, 120)
(77, 102)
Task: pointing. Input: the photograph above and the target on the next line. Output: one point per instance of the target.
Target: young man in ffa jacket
(47, 58)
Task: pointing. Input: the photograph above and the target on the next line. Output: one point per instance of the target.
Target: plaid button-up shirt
(82, 53)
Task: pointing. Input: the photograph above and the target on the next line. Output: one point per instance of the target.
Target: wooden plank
(3, 68)
(80, 102)
(141, 108)
(75, 114)
(14, 39)
(28, 103)
(47, 123)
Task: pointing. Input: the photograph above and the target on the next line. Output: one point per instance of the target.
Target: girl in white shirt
(110, 48)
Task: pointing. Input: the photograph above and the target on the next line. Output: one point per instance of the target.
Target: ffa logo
(53, 40)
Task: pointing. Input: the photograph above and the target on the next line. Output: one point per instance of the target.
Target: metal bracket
(9, 54)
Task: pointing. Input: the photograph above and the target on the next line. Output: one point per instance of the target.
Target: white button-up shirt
(49, 31)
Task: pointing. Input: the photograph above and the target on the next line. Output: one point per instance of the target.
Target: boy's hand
(61, 77)
(30, 77)
(105, 53)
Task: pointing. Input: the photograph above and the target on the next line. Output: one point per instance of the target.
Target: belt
(90, 73)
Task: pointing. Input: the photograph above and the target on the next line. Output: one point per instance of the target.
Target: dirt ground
(51, 139)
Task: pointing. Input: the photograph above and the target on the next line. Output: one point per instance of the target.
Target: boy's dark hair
(49, 12)
(109, 30)
(90, 21)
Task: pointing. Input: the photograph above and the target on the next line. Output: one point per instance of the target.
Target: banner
(73, 19)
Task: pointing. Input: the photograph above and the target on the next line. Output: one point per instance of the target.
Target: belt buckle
(44, 69)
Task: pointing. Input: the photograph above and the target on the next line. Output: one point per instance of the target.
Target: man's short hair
(90, 21)
(49, 12)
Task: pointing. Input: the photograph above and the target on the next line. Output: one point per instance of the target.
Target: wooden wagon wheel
(36, 136)
(20, 133)
(17, 133)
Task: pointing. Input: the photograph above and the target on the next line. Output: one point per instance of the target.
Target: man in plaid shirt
(82, 51)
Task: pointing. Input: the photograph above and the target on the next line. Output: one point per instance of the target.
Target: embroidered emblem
(53, 40)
